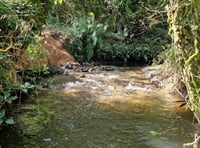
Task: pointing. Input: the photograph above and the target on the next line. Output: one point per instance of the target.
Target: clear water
(105, 109)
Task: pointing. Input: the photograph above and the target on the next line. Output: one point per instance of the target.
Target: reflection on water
(115, 109)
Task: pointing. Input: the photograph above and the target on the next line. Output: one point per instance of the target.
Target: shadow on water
(101, 110)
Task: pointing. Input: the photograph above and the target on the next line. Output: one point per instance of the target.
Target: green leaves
(26, 87)
(11, 99)
(58, 2)
(89, 51)
(154, 133)
(1, 121)
(3, 56)
(2, 113)
(87, 33)
(7, 97)
(10, 121)
(2, 118)
(94, 38)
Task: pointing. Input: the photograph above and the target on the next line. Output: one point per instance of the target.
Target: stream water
(101, 109)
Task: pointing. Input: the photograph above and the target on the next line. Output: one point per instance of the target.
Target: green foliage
(6, 98)
(86, 36)
(5, 120)
(137, 16)
(143, 48)
(35, 57)
(27, 86)
(58, 2)
(184, 29)
(129, 30)
(20, 21)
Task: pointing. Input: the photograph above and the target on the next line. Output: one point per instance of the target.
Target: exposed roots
(193, 144)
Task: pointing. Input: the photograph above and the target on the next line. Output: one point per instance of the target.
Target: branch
(9, 47)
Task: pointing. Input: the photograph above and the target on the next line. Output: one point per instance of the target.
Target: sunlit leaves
(58, 2)
(154, 133)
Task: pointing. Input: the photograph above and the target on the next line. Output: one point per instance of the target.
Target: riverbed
(118, 108)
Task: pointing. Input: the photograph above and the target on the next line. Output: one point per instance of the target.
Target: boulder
(57, 54)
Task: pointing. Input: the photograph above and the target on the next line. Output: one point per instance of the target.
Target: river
(100, 109)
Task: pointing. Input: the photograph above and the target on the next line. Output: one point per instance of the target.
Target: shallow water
(102, 109)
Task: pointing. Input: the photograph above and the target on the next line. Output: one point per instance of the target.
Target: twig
(9, 47)
(185, 97)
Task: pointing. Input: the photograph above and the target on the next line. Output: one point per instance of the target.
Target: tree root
(194, 144)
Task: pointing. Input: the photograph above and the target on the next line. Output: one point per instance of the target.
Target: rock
(47, 139)
(153, 73)
(57, 54)
(73, 65)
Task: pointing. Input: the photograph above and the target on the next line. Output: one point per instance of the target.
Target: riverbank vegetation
(106, 31)
(185, 35)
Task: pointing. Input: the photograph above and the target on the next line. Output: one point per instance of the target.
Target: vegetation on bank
(121, 31)
(20, 23)
(186, 47)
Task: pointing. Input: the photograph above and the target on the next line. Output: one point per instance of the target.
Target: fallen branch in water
(194, 144)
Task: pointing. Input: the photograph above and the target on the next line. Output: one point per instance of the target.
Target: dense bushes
(20, 23)
(122, 30)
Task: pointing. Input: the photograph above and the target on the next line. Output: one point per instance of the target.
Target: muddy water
(102, 109)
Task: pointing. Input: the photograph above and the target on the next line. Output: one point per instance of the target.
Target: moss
(184, 19)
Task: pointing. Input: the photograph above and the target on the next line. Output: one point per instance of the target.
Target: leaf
(2, 57)
(2, 113)
(60, 2)
(7, 94)
(11, 99)
(94, 38)
(100, 43)
(1, 121)
(89, 51)
(91, 14)
(154, 133)
(1, 98)
(10, 121)
(8, 101)
(90, 54)
(27, 86)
